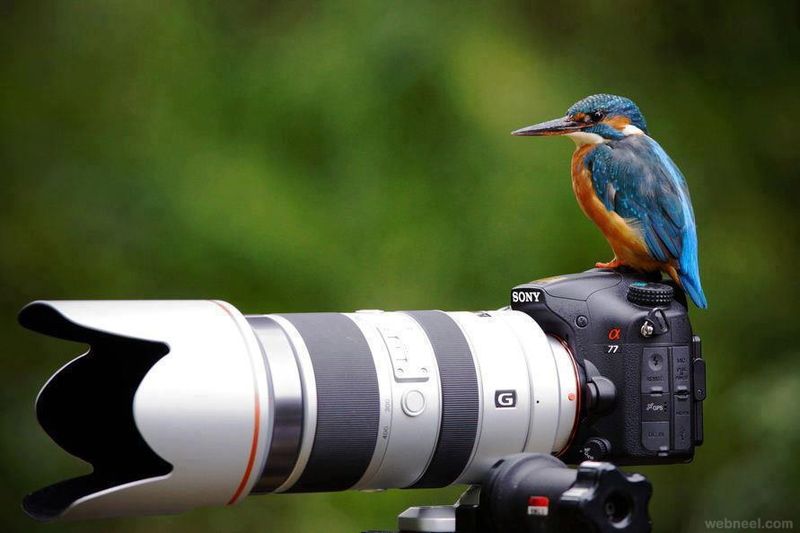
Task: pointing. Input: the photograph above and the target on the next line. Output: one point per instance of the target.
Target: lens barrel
(179, 404)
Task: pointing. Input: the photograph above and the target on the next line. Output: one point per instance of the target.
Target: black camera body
(642, 371)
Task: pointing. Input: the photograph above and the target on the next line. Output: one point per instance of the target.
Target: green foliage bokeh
(303, 156)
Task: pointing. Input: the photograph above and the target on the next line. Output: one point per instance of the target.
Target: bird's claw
(614, 263)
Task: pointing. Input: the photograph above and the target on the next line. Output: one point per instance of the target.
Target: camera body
(642, 371)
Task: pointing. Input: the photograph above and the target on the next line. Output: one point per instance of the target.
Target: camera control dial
(649, 294)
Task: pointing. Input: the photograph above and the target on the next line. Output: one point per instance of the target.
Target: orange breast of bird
(625, 239)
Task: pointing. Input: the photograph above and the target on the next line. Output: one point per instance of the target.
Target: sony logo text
(526, 297)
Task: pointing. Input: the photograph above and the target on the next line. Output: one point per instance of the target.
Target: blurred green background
(302, 156)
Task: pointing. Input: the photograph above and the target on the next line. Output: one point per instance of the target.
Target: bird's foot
(614, 263)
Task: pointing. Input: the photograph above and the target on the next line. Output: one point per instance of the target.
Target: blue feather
(690, 272)
(636, 178)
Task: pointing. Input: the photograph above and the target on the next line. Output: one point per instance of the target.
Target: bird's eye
(597, 116)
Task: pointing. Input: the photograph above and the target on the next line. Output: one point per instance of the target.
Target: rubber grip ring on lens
(348, 401)
(460, 399)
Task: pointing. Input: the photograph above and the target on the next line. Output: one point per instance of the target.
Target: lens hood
(166, 406)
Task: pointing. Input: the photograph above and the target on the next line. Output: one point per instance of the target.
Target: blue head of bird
(596, 118)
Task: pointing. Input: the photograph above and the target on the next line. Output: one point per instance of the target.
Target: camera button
(413, 402)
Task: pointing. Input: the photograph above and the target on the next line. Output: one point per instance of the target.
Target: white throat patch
(582, 138)
(630, 129)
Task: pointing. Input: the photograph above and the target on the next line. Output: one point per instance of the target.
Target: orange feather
(617, 122)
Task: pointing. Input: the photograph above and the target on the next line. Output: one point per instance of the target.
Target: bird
(631, 189)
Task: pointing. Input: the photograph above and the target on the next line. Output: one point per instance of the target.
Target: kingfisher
(630, 188)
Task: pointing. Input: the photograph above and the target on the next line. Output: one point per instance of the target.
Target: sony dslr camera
(179, 404)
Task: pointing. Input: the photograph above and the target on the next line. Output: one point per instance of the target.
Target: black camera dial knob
(650, 294)
(595, 449)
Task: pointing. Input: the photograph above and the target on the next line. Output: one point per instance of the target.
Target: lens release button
(413, 402)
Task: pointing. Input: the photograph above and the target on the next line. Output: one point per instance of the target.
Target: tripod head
(537, 493)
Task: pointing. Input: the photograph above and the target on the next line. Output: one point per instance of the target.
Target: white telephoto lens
(185, 404)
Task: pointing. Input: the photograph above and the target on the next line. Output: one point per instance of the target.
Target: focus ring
(460, 399)
(348, 402)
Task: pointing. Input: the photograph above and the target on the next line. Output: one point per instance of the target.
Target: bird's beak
(559, 126)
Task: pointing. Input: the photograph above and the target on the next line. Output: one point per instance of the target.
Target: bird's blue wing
(635, 178)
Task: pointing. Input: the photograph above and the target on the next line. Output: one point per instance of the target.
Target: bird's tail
(691, 285)
(689, 272)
